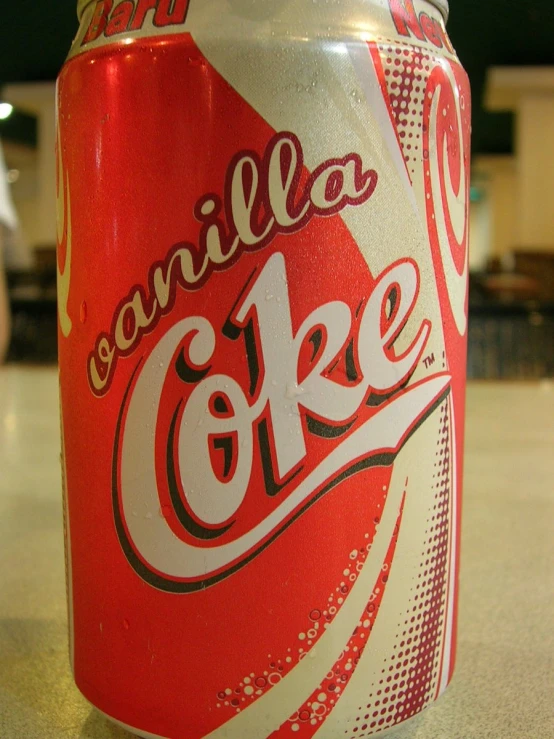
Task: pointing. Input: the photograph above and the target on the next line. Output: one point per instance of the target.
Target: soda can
(262, 261)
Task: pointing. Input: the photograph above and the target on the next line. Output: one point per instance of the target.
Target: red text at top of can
(263, 208)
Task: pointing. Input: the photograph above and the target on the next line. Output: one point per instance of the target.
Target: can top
(442, 5)
(81, 5)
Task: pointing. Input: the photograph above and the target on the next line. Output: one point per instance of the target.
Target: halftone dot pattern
(410, 676)
(406, 71)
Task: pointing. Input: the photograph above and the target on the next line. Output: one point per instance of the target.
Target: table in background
(505, 677)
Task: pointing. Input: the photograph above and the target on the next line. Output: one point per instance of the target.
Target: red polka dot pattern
(304, 722)
(410, 676)
(407, 69)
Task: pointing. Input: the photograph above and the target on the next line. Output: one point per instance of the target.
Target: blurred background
(506, 47)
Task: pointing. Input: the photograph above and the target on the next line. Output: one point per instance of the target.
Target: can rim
(442, 6)
(81, 5)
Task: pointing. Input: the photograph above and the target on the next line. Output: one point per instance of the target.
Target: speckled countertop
(504, 685)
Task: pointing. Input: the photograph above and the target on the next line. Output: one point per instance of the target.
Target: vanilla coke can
(262, 271)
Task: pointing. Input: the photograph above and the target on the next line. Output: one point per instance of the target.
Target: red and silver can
(263, 316)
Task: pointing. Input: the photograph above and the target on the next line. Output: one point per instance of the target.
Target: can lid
(442, 5)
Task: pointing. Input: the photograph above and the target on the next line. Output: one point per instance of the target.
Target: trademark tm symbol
(428, 361)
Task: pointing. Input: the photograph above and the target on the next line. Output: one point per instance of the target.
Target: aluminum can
(262, 261)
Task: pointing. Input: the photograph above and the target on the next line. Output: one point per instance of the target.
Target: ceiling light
(6, 109)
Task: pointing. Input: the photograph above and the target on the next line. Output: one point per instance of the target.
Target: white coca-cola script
(214, 502)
